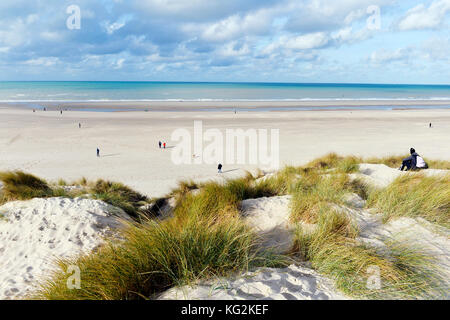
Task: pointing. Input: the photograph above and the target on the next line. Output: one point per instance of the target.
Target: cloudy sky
(227, 40)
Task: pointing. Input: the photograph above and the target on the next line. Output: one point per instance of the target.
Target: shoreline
(225, 106)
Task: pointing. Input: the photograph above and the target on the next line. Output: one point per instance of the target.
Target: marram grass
(206, 238)
(154, 257)
(415, 195)
(18, 185)
(332, 249)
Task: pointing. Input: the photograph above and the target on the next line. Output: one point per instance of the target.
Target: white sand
(33, 233)
(417, 233)
(380, 175)
(52, 146)
(269, 217)
(291, 283)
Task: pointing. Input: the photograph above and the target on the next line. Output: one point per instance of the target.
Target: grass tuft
(18, 185)
(396, 161)
(332, 250)
(415, 195)
(119, 195)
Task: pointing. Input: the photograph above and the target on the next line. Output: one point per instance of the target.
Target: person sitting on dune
(413, 162)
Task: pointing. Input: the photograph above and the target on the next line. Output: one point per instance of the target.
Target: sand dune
(380, 175)
(292, 283)
(269, 218)
(33, 233)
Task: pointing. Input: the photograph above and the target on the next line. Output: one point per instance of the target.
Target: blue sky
(232, 40)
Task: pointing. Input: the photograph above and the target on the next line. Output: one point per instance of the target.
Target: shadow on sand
(110, 155)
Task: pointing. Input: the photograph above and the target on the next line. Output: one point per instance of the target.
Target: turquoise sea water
(212, 91)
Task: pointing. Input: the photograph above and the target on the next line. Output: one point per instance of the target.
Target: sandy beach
(208, 104)
(51, 145)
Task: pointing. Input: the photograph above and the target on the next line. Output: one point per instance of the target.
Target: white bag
(420, 163)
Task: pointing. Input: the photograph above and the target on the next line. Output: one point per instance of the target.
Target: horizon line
(241, 82)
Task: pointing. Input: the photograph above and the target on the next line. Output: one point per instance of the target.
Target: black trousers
(406, 163)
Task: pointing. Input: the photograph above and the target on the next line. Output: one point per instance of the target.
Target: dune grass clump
(215, 199)
(184, 187)
(396, 161)
(154, 257)
(248, 188)
(349, 164)
(18, 185)
(283, 182)
(415, 195)
(205, 238)
(332, 249)
(314, 191)
(332, 246)
(119, 195)
(333, 161)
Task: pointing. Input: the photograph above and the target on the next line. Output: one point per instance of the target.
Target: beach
(51, 145)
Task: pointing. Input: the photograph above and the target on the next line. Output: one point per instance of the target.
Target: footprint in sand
(13, 139)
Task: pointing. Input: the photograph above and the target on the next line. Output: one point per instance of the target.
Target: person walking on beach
(219, 167)
(160, 144)
(79, 125)
(164, 145)
(430, 124)
(98, 152)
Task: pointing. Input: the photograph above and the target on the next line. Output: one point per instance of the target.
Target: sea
(96, 91)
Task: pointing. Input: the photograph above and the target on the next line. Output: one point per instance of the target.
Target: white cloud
(422, 17)
(436, 49)
(385, 56)
(42, 61)
(110, 28)
(119, 63)
(234, 49)
(307, 41)
(297, 43)
(232, 27)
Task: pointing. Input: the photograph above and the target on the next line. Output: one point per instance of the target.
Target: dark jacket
(413, 159)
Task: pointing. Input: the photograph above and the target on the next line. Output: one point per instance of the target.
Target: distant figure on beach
(34, 110)
(98, 152)
(413, 162)
(160, 144)
(61, 111)
(79, 125)
(45, 109)
(164, 145)
(430, 124)
(219, 167)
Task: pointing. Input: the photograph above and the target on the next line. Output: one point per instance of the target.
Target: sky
(345, 41)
